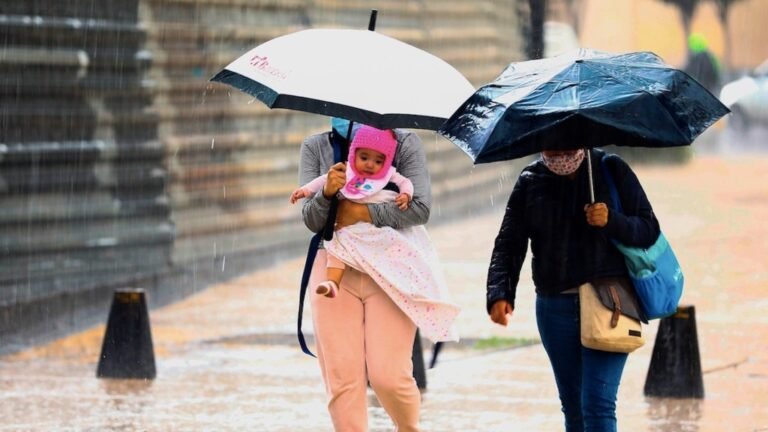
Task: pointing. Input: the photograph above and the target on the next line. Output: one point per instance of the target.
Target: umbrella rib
(542, 128)
(655, 100)
(371, 118)
(537, 130)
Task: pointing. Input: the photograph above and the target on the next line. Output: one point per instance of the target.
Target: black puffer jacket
(548, 209)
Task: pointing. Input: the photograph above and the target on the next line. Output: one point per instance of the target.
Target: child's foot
(327, 288)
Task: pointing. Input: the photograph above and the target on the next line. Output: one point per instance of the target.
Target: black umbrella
(582, 99)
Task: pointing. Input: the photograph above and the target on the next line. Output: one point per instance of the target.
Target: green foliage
(496, 342)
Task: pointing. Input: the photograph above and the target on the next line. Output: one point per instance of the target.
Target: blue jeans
(587, 380)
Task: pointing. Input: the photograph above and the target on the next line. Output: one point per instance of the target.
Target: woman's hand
(500, 312)
(337, 176)
(597, 214)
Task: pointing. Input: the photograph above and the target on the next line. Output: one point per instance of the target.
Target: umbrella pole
(330, 223)
(591, 180)
(345, 150)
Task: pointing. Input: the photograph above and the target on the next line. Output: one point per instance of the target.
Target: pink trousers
(362, 336)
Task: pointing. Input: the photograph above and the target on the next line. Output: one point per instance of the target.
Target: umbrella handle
(591, 180)
(331, 221)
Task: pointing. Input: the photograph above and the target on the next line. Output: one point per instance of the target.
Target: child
(368, 171)
(402, 262)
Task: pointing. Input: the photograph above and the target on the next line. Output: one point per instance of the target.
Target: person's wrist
(322, 198)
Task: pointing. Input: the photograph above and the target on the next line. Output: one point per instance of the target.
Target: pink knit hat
(382, 141)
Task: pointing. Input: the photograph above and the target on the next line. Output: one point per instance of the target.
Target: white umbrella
(359, 75)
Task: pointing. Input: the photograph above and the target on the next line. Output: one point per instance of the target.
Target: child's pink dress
(402, 262)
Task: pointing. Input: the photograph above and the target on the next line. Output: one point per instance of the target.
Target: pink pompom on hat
(382, 141)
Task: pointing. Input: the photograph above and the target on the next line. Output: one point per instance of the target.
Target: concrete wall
(82, 172)
(121, 165)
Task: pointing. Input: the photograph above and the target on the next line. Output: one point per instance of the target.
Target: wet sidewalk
(227, 358)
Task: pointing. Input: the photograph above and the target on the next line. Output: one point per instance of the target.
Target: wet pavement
(227, 360)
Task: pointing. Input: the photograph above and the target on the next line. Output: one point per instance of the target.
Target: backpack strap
(615, 200)
(335, 145)
(339, 155)
(615, 203)
(311, 254)
(314, 244)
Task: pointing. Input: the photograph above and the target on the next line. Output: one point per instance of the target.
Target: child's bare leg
(334, 272)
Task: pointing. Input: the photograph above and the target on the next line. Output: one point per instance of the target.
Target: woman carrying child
(391, 280)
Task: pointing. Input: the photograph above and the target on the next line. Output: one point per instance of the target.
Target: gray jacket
(317, 159)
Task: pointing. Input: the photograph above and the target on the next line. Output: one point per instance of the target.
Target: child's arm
(309, 189)
(406, 190)
(297, 195)
(403, 184)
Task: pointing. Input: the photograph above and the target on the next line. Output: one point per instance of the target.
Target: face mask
(564, 164)
(340, 125)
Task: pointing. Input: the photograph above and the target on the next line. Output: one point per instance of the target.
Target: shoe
(327, 288)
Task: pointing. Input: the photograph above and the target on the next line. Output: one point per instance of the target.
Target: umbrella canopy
(359, 75)
(583, 98)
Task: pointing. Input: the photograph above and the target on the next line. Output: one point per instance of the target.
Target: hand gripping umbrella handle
(330, 223)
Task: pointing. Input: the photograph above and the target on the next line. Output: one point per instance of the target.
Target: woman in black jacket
(571, 245)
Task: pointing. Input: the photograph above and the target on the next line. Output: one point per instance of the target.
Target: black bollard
(127, 350)
(419, 373)
(675, 369)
